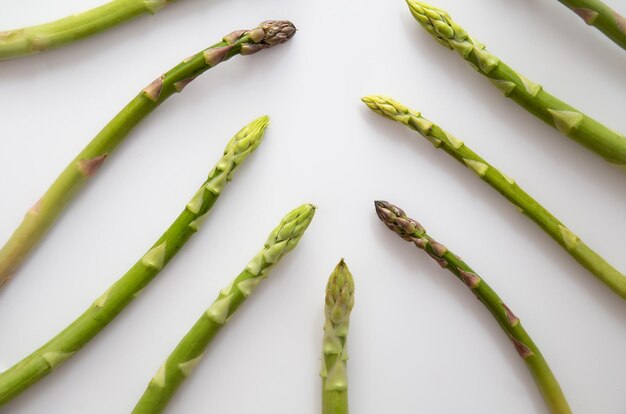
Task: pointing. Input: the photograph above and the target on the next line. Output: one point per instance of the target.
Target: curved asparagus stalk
(504, 185)
(41, 216)
(339, 303)
(597, 14)
(191, 348)
(411, 231)
(69, 341)
(35, 39)
(569, 121)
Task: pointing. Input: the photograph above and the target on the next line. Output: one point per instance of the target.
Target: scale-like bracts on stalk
(504, 185)
(571, 122)
(597, 14)
(190, 350)
(63, 346)
(410, 230)
(339, 304)
(36, 39)
(43, 214)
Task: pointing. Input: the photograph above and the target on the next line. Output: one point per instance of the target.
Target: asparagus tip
(340, 294)
(397, 221)
(277, 31)
(286, 236)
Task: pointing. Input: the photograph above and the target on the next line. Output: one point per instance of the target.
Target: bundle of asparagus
(43, 214)
(192, 347)
(504, 185)
(104, 309)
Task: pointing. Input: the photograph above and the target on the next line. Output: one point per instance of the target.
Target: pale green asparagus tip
(439, 24)
(243, 144)
(396, 111)
(286, 236)
(340, 298)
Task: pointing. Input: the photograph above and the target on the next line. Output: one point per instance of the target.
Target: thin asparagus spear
(504, 185)
(411, 231)
(339, 303)
(42, 215)
(192, 347)
(35, 39)
(69, 341)
(569, 121)
(597, 14)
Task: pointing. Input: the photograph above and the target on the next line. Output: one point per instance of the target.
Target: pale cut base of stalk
(410, 230)
(104, 309)
(339, 304)
(190, 350)
(42, 215)
(597, 14)
(569, 121)
(36, 39)
(504, 185)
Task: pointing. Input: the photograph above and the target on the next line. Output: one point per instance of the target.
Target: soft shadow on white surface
(419, 341)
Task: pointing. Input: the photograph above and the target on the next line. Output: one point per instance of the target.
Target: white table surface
(419, 341)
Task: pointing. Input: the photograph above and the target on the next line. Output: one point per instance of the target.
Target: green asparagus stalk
(506, 186)
(597, 14)
(63, 346)
(339, 303)
(192, 347)
(42, 215)
(35, 39)
(570, 122)
(411, 231)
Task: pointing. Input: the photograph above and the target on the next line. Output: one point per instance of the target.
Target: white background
(419, 341)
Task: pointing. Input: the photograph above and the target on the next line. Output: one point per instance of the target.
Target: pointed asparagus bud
(339, 304)
(396, 111)
(397, 221)
(288, 233)
(236, 151)
(268, 34)
(283, 239)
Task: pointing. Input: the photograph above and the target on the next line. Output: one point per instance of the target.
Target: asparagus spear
(191, 348)
(411, 231)
(504, 185)
(42, 215)
(570, 122)
(35, 39)
(597, 14)
(339, 303)
(69, 341)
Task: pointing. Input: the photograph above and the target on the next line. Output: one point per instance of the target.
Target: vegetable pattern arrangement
(43, 214)
(192, 347)
(529, 95)
(340, 288)
(104, 309)
(504, 185)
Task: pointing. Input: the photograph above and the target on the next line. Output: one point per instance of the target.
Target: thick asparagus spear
(69, 341)
(570, 122)
(504, 185)
(339, 303)
(35, 39)
(42, 215)
(597, 14)
(191, 348)
(412, 231)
